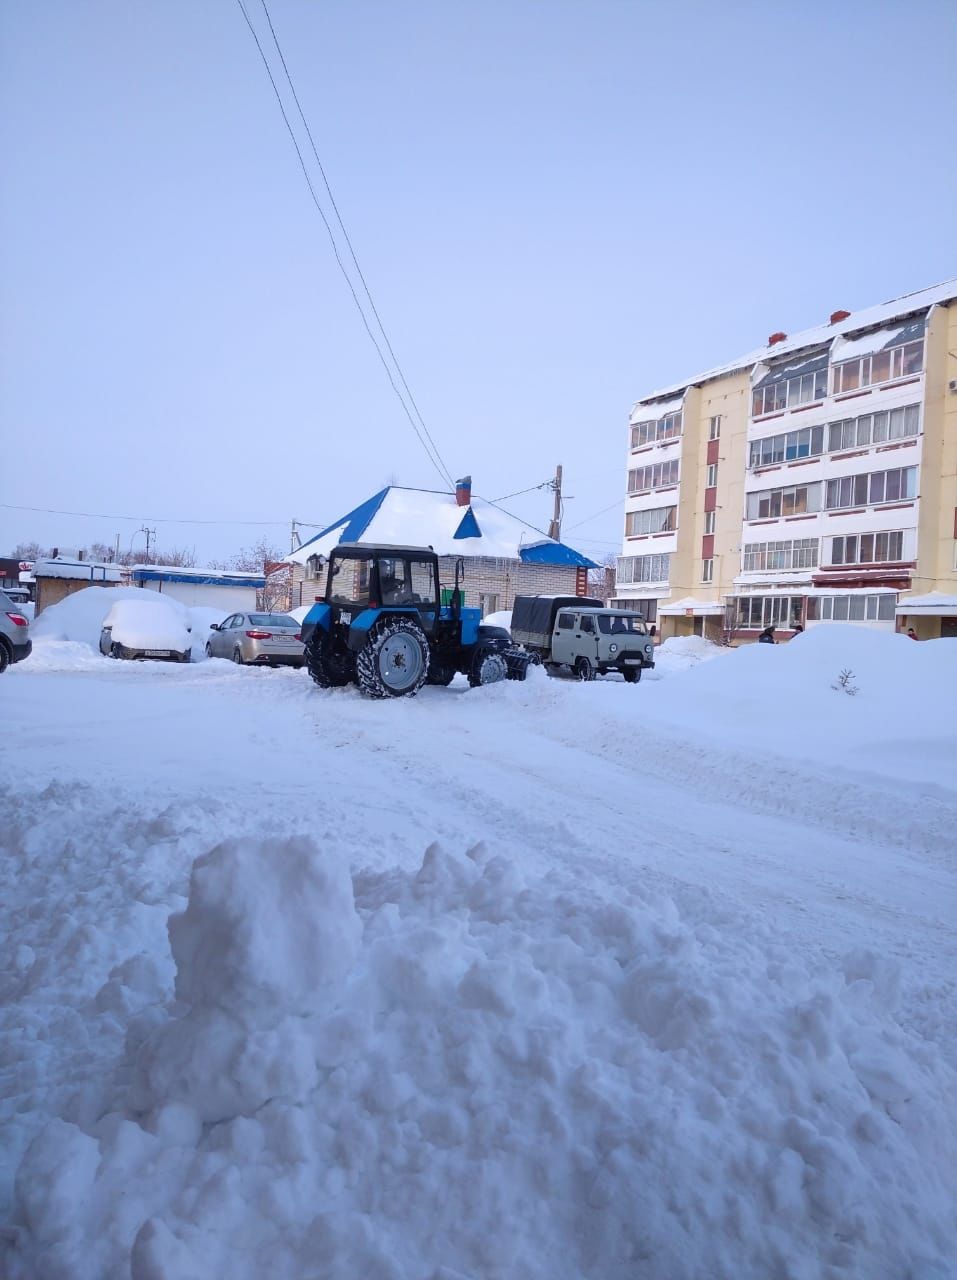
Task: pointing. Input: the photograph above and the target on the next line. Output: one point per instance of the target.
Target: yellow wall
(938, 472)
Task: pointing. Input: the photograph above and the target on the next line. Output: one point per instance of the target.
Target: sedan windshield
(621, 624)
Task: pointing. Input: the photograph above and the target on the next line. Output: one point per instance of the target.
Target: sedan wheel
(209, 650)
(237, 657)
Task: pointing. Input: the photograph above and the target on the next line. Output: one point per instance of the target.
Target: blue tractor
(382, 626)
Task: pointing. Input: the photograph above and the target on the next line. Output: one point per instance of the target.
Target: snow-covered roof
(199, 577)
(857, 323)
(652, 412)
(90, 570)
(936, 604)
(430, 518)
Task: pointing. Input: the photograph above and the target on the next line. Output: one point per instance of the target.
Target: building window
(647, 609)
(788, 393)
(882, 366)
(797, 553)
(757, 612)
(806, 443)
(633, 569)
(657, 520)
(873, 428)
(666, 428)
(871, 488)
(714, 427)
(793, 500)
(709, 522)
(712, 475)
(858, 608)
(488, 603)
(658, 476)
(868, 548)
(707, 570)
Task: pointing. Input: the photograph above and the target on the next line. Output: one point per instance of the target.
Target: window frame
(857, 372)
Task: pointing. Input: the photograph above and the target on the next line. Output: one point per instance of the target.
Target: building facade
(814, 480)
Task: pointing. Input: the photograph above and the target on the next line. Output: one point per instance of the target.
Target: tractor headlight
(612, 648)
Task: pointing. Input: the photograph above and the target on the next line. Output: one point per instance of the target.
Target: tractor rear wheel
(329, 664)
(488, 668)
(395, 660)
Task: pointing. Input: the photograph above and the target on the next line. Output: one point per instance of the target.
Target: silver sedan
(260, 639)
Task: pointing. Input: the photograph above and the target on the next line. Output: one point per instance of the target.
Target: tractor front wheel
(488, 668)
(329, 663)
(395, 660)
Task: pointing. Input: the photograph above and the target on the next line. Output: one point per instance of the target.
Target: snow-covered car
(14, 632)
(150, 628)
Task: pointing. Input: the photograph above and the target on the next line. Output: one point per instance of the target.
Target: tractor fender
(365, 620)
(318, 616)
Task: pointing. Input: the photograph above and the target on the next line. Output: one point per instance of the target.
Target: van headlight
(647, 648)
(612, 648)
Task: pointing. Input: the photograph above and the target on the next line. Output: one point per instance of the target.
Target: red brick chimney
(463, 491)
(837, 316)
(775, 338)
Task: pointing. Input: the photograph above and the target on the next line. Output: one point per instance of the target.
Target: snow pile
(781, 697)
(466, 1070)
(680, 653)
(78, 620)
(148, 623)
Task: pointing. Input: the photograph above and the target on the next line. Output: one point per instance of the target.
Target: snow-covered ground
(541, 980)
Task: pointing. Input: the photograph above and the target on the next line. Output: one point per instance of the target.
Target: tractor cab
(384, 577)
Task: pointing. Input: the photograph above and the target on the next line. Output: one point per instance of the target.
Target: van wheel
(584, 669)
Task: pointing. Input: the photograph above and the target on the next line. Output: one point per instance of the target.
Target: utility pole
(555, 528)
(295, 542)
(150, 533)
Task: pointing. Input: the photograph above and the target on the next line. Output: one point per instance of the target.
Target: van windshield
(616, 624)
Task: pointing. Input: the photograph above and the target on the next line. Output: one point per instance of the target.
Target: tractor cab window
(395, 582)
(349, 579)
(424, 586)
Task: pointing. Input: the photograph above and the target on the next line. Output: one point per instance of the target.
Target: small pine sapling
(845, 683)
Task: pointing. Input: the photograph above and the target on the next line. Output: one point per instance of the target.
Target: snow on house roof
(857, 323)
(88, 570)
(430, 518)
(199, 577)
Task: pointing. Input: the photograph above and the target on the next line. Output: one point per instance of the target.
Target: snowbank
(469, 1070)
(79, 618)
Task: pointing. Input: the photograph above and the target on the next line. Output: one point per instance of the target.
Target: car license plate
(156, 653)
(346, 618)
(632, 662)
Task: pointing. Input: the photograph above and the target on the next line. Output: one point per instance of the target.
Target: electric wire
(433, 457)
(596, 514)
(518, 493)
(352, 252)
(105, 515)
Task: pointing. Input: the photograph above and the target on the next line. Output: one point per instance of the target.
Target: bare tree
(27, 551)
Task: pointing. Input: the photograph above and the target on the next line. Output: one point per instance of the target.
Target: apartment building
(813, 480)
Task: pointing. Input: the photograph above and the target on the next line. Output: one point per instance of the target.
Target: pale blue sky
(558, 207)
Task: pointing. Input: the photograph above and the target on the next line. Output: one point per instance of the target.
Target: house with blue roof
(503, 556)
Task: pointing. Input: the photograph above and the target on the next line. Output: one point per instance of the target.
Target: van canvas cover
(533, 617)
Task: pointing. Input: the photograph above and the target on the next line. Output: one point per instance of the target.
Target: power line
(596, 514)
(431, 452)
(532, 489)
(105, 515)
(352, 252)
